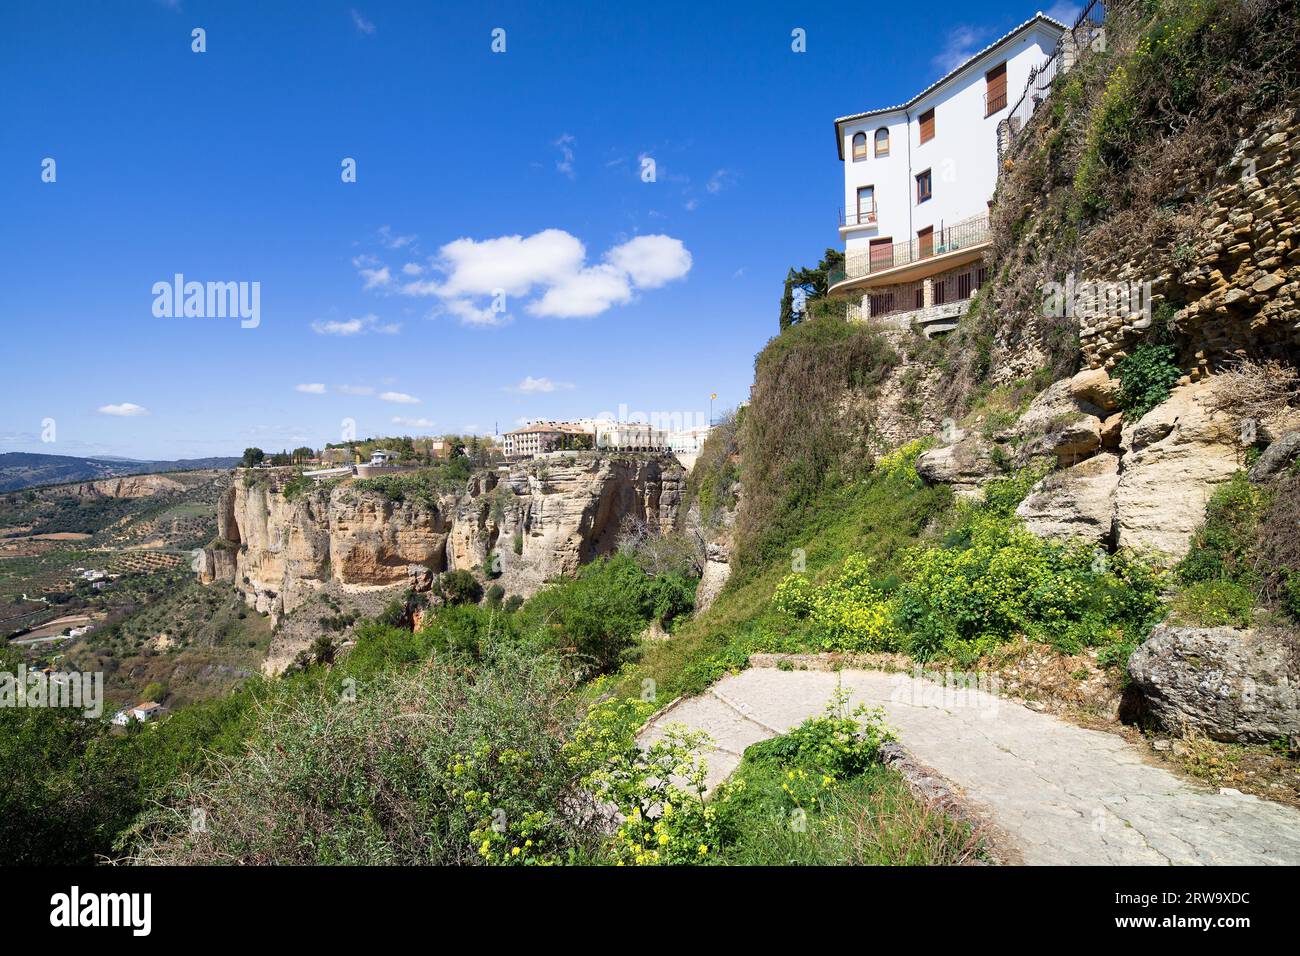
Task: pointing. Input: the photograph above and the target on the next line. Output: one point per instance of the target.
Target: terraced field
(153, 624)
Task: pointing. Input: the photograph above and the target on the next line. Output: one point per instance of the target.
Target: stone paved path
(1059, 793)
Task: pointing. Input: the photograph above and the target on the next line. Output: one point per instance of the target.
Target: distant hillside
(20, 470)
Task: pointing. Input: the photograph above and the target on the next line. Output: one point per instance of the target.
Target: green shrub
(599, 613)
(1214, 604)
(1146, 377)
(458, 587)
(425, 486)
(658, 790)
(1220, 548)
(997, 582)
(842, 743)
(414, 768)
(296, 487)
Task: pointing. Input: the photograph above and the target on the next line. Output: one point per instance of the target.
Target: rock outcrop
(533, 521)
(965, 465)
(132, 486)
(1077, 502)
(1278, 455)
(1142, 486)
(1229, 684)
(1063, 420)
(1173, 459)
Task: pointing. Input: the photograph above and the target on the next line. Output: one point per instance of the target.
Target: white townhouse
(918, 181)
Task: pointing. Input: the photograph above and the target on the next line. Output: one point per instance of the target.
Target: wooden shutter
(927, 125)
(882, 254)
(995, 89)
(925, 242)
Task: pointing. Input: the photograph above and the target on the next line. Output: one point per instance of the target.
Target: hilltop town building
(918, 180)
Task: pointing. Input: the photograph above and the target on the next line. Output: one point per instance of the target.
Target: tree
(302, 453)
(813, 283)
(253, 456)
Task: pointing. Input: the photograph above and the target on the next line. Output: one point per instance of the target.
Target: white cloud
(413, 422)
(311, 388)
(554, 263)
(393, 241)
(362, 24)
(349, 327)
(587, 293)
(960, 45)
(376, 278)
(412, 269)
(564, 164)
(125, 410)
(400, 398)
(720, 181)
(530, 385)
(356, 390)
(651, 261)
(513, 264)
(471, 314)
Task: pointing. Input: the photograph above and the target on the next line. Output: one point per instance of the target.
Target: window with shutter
(882, 142)
(925, 242)
(995, 89)
(923, 183)
(927, 125)
(859, 146)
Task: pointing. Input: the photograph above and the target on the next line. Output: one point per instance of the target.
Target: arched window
(859, 146)
(882, 142)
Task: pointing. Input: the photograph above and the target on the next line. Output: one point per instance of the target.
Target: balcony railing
(862, 216)
(961, 235)
(995, 103)
(1078, 40)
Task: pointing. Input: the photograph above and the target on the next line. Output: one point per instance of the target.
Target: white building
(381, 456)
(918, 180)
(689, 441)
(538, 438)
(629, 436)
(142, 712)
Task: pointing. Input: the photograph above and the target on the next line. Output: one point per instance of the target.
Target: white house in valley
(918, 180)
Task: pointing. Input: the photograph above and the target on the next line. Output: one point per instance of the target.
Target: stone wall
(1235, 281)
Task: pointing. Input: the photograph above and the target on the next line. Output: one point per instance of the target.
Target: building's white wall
(962, 157)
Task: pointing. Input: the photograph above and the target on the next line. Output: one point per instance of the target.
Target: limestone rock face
(1094, 386)
(132, 486)
(965, 465)
(538, 520)
(1063, 420)
(1173, 460)
(1278, 455)
(1078, 502)
(1230, 684)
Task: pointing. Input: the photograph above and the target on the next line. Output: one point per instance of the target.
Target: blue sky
(376, 296)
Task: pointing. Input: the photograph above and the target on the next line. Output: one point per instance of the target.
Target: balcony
(995, 103)
(945, 247)
(859, 218)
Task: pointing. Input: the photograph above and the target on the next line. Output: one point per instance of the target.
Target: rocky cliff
(531, 522)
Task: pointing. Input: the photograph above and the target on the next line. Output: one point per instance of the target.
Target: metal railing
(961, 235)
(858, 217)
(1074, 43)
(997, 103)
